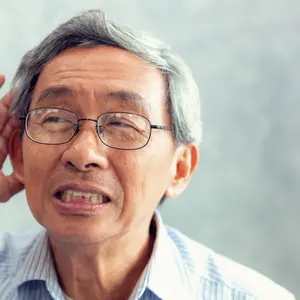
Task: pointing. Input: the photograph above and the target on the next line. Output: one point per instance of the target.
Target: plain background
(244, 198)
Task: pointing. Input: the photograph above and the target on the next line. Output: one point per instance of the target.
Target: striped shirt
(179, 268)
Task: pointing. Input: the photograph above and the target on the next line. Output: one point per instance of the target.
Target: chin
(78, 238)
(78, 233)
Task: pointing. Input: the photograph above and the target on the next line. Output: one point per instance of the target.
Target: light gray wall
(244, 198)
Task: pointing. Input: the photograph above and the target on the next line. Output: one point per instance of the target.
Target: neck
(107, 270)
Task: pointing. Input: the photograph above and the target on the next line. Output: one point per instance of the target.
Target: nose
(85, 151)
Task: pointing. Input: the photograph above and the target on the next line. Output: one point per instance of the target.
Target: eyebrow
(131, 98)
(54, 92)
(134, 99)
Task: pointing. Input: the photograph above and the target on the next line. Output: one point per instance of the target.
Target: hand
(9, 185)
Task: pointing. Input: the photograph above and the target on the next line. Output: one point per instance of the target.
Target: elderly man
(108, 125)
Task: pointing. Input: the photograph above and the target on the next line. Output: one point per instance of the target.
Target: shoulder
(216, 273)
(13, 249)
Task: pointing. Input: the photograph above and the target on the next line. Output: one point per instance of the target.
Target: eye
(119, 124)
(54, 119)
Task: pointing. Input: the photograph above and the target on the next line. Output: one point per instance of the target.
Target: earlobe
(16, 155)
(169, 192)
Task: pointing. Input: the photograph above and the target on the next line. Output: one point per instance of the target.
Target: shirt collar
(166, 275)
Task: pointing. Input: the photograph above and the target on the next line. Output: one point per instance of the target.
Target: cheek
(130, 172)
(144, 174)
(33, 161)
(129, 167)
(38, 161)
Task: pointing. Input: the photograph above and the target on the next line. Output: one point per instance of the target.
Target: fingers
(3, 110)
(3, 151)
(4, 138)
(2, 80)
(4, 105)
(3, 115)
(6, 100)
(7, 123)
(9, 186)
(10, 125)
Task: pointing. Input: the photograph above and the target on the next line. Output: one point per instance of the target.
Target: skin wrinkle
(94, 248)
(122, 98)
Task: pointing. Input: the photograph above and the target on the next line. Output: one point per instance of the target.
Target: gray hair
(92, 29)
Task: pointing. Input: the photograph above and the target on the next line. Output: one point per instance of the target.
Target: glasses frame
(25, 120)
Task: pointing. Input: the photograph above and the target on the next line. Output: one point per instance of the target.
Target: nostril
(71, 164)
(82, 167)
(92, 165)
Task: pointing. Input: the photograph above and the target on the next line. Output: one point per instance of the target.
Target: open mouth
(70, 196)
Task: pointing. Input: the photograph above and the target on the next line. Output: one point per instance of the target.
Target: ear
(186, 161)
(15, 154)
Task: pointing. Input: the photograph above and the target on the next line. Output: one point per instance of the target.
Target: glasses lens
(51, 125)
(124, 130)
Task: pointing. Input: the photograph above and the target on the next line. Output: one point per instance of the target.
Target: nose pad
(77, 128)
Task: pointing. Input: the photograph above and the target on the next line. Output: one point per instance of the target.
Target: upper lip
(82, 187)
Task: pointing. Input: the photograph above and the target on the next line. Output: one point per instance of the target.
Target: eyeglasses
(119, 130)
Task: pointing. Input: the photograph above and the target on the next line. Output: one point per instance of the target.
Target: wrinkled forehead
(101, 73)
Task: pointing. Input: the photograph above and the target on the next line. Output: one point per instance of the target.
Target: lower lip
(79, 206)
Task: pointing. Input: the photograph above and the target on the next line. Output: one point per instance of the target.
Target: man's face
(133, 180)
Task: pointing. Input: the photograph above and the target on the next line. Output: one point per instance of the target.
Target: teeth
(94, 199)
(77, 194)
(71, 195)
(68, 197)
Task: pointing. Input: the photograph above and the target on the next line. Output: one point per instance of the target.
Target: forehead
(100, 70)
